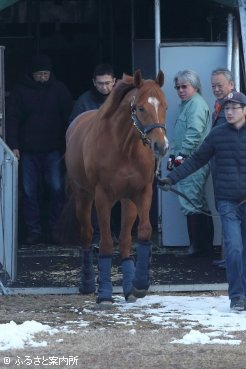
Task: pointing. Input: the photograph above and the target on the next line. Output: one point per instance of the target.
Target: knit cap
(40, 62)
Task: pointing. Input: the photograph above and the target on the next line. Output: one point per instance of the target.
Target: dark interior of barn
(78, 34)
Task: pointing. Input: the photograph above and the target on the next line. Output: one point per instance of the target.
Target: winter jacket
(37, 115)
(191, 127)
(218, 116)
(89, 100)
(227, 145)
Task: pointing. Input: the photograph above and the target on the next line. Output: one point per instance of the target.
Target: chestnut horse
(110, 156)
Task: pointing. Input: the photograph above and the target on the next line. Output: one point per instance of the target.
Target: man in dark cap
(36, 122)
(226, 144)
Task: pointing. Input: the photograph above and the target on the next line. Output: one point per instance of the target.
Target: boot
(201, 234)
(105, 288)
(128, 271)
(141, 281)
(208, 235)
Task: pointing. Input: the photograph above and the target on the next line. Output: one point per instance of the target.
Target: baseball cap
(236, 97)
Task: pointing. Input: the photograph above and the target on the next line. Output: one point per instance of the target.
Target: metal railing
(8, 210)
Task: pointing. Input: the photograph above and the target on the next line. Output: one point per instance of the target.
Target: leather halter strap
(143, 129)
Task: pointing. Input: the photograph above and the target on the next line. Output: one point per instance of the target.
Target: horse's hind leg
(87, 275)
(128, 217)
(105, 289)
(141, 281)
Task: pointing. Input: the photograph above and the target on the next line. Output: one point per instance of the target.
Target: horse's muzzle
(160, 149)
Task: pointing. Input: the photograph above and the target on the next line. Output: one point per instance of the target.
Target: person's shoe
(237, 304)
(33, 238)
(220, 263)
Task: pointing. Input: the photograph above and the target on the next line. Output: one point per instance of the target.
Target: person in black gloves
(226, 144)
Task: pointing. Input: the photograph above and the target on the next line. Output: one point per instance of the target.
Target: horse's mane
(122, 87)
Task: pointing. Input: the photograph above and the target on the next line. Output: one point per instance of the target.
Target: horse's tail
(68, 225)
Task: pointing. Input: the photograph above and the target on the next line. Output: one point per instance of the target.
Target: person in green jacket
(191, 127)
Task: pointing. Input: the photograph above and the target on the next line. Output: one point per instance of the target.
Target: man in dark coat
(37, 116)
(226, 144)
(103, 82)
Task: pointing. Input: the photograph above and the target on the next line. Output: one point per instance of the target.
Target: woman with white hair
(191, 127)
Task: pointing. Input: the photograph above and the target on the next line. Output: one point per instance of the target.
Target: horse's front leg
(83, 212)
(105, 288)
(141, 281)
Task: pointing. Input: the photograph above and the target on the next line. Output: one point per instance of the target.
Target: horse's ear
(138, 81)
(160, 78)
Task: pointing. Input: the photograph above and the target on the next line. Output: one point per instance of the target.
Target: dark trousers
(43, 172)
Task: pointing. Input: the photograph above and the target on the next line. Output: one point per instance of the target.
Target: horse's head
(148, 108)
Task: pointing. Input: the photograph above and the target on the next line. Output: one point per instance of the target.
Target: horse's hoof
(130, 298)
(139, 293)
(104, 304)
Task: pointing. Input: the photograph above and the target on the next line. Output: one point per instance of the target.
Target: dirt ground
(103, 343)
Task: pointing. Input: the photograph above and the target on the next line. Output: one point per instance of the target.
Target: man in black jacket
(37, 116)
(226, 144)
(103, 82)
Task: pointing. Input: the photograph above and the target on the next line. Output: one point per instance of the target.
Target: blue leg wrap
(87, 278)
(105, 288)
(141, 280)
(128, 270)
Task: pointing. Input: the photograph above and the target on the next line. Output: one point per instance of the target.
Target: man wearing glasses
(103, 82)
(190, 129)
(222, 84)
(226, 144)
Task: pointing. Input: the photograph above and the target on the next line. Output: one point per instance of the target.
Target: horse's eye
(141, 109)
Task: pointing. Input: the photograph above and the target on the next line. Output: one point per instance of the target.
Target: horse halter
(142, 129)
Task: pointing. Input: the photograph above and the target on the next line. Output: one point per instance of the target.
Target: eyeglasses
(219, 86)
(106, 83)
(178, 87)
(227, 108)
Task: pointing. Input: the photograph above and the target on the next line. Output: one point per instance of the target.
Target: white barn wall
(203, 58)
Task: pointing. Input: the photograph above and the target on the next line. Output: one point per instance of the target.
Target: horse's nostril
(159, 149)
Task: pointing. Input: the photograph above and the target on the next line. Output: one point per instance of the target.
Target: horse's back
(81, 122)
(78, 149)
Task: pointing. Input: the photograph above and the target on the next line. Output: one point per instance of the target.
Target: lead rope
(178, 193)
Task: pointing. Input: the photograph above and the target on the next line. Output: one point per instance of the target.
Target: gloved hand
(170, 163)
(164, 183)
(179, 159)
